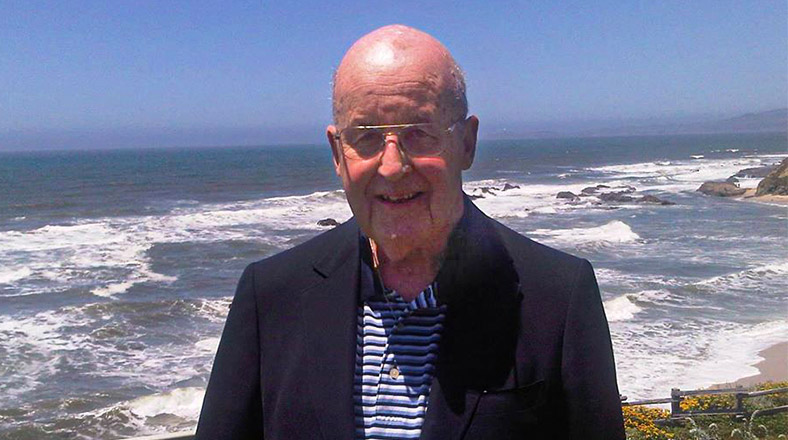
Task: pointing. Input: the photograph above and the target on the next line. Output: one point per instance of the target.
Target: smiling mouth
(402, 198)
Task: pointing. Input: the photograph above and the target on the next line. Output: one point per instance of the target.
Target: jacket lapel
(330, 327)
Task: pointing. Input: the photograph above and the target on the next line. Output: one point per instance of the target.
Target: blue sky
(150, 73)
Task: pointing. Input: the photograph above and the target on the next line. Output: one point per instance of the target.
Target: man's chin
(398, 242)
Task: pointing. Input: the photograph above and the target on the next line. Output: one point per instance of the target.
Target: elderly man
(420, 317)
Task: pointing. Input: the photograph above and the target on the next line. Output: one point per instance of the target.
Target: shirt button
(394, 372)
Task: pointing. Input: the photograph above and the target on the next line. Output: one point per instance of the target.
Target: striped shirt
(396, 348)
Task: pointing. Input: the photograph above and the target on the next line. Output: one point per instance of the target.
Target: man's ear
(469, 135)
(331, 131)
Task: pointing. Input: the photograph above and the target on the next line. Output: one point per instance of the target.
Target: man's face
(403, 203)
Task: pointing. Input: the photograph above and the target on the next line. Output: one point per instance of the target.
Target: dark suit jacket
(525, 351)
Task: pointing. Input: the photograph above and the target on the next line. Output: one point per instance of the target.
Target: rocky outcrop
(654, 199)
(618, 196)
(625, 194)
(756, 172)
(776, 183)
(327, 222)
(507, 186)
(587, 191)
(567, 195)
(721, 189)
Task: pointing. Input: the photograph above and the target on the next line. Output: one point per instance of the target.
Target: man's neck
(412, 274)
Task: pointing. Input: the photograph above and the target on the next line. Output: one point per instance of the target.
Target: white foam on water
(108, 256)
(181, 402)
(653, 357)
(32, 347)
(112, 289)
(527, 199)
(697, 156)
(681, 175)
(209, 345)
(9, 275)
(749, 279)
(620, 308)
(615, 231)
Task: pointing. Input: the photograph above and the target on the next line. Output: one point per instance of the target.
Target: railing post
(675, 401)
(740, 402)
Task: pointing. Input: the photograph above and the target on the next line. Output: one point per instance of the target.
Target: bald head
(398, 51)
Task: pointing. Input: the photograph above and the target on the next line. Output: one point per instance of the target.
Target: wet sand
(773, 199)
(773, 368)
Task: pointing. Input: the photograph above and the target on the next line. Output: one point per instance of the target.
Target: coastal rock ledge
(721, 189)
(776, 182)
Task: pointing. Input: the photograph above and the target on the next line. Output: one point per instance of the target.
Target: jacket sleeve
(588, 370)
(232, 408)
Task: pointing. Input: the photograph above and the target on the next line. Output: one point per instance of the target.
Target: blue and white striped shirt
(396, 347)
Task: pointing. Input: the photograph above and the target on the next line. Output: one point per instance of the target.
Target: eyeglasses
(416, 140)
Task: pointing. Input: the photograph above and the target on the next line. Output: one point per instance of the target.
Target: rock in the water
(654, 199)
(327, 222)
(507, 186)
(474, 196)
(592, 189)
(488, 190)
(756, 172)
(733, 179)
(566, 195)
(721, 189)
(776, 183)
(620, 196)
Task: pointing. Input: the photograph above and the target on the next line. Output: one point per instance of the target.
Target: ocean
(117, 267)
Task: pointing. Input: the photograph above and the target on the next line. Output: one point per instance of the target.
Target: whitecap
(181, 402)
(620, 308)
(615, 231)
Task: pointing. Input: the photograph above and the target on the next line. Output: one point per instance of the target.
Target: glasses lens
(423, 140)
(362, 142)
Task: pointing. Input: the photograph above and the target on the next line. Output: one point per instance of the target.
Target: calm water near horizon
(117, 266)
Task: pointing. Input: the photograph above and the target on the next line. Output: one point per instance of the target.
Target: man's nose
(393, 163)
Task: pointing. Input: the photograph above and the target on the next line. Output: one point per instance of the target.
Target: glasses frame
(396, 129)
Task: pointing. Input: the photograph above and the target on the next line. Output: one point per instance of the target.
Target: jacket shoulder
(296, 268)
(543, 270)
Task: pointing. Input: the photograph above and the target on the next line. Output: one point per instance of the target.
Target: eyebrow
(421, 117)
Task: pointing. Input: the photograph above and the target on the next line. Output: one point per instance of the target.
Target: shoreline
(773, 368)
(771, 199)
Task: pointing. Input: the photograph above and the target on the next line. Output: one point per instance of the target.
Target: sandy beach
(773, 368)
(769, 198)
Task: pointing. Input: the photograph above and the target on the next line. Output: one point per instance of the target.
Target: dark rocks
(327, 222)
(776, 183)
(488, 190)
(619, 196)
(756, 172)
(474, 196)
(507, 186)
(721, 189)
(593, 189)
(654, 199)
(623, 195)
(567, 195)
